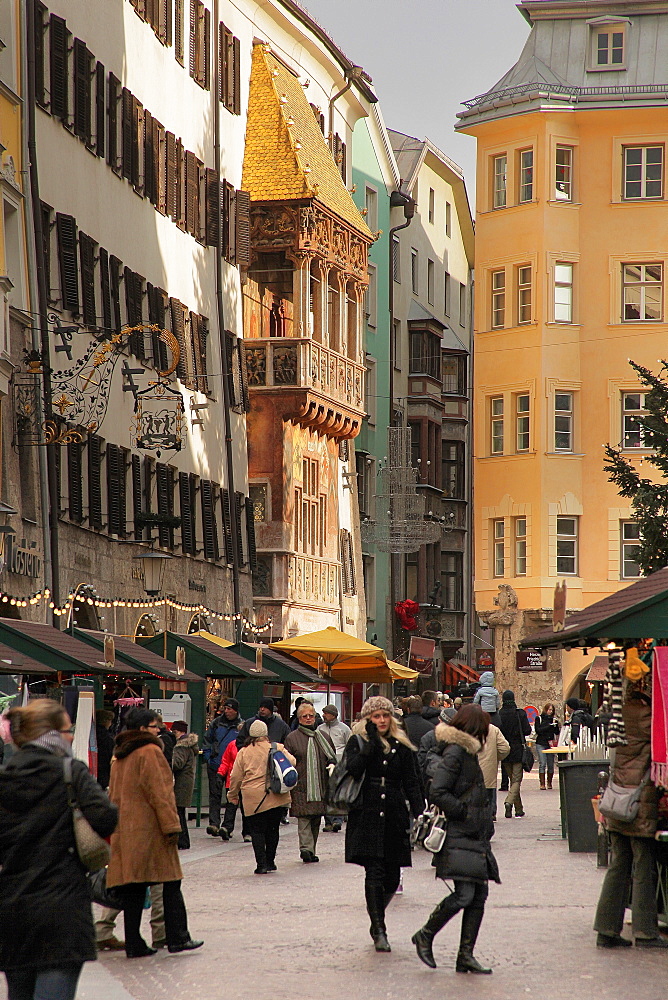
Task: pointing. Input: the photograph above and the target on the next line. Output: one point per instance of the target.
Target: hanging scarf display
(314, 790)
(613, 677)
(660, 717)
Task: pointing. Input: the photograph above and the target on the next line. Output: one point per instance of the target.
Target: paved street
(304, 931)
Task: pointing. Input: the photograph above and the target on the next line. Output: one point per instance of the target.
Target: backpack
(281, 774)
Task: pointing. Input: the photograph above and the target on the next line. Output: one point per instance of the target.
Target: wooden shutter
(250, 534)
(116, 490)
(66, 229)
(105, 290)
(40, 27)
(170, 174)
(186, 505)
(82, 91)
(164, 31)
(159, 171)
(236, 77)
(191, 193)
(59, 38)
(137, 137)
(87, 246)
(343, 166)
(100, 108)
(208, 496)
(192, 39)
(222, 63)
(347, 562)
(178, 30)
(178, 329)
(243, 248)
(126, 133)
(75, 481)
(156, 316)
(134, 310)
(229, 71)
(113, 99)
(165, 482)
(206, 50)
(198, 336)
(46, 213)
(137, 506)
(212, 200)
(227, 525)
(95, 444)
(232, 382)
(115, 266)
(150, 180)
(245, 396)
(180, 217)
(238, 507)
(229, 222)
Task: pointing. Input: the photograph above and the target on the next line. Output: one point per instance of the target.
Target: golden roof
(286, 156)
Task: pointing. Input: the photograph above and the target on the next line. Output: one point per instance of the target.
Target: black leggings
(264, 827)
(385, 874)
(176, 918)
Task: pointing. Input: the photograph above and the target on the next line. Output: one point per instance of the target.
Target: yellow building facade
(571, 259)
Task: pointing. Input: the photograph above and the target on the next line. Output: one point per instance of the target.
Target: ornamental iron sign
(159, 418)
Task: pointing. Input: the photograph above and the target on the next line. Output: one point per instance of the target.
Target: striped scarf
(53, 742)
(613, 678)
(317, 744)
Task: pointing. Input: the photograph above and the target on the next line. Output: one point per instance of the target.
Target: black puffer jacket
(458, 789)
(379, 827)
(546, 728)
(514, 725)
(45, 911)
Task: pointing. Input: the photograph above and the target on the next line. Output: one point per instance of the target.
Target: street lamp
(153, 567)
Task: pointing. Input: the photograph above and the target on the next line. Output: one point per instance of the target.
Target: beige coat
(249, 776)
(142, 787)
(495, 749)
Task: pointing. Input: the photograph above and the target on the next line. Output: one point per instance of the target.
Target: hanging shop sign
(158, 421)
(22, 560)
(529, 660)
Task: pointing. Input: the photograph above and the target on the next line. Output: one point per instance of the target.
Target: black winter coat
(105, 751)
(379, 827)
(277, 730)
(514, 724)
(416, 727)
(45, 910)
(546, 728)
(458, 789)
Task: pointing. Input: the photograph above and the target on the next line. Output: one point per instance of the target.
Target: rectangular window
(447, 294)
(499, 547)
(498, 299)
(633, 411)
(462, 304)
(452, 469)
(431, 205)
(452, 579)
(370, 390)
(396, 259)
(229, 70)
(500, 180)
(425, 354)
(563, 293)
(396, 341)
(371, 204)
(643, 172)
(563, 421)
(522, 421)
(496, 435)
(609, 50)
(454, 374)
(524, 294)
(642, 290)
(362, 468)
(414, 271)
(563, 181)
(371, 297)
(567, 545)
(526, 175)
(347, 563)
(629, 543)
(430, 282)
(448, 219)
(520, 546)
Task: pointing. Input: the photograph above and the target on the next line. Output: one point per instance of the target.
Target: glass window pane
(497, 406)
(523, 404)
(652, 303)
(566, 526)
(631, 530)
(632, 298)
(632, 401)
(653, 272)
(563, 273)
(563, 401)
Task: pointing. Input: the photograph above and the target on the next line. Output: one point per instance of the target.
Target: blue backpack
(281, 774)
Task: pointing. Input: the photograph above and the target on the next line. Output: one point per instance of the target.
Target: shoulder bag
(622, 804)
(94, 852)
(528, 758)
(429, 830)
(344, 791)
(97, 883)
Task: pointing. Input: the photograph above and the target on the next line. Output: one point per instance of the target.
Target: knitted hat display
(616, 729)
(634, 668)
(377, 704)
(257, 729)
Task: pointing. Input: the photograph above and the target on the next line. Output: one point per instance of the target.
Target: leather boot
(471, 920)
(376, 910)
(424, 938)
(541, 778)
(549, 780)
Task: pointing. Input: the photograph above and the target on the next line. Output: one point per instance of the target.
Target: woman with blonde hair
(46, 925)
(377, 830)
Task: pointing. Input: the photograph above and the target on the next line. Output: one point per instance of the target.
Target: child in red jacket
(225, 770)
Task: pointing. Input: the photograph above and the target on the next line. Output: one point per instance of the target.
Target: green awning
(138, 656)
(207, 658)
(55, 649)
(286, 668)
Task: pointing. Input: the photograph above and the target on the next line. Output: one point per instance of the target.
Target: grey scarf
(53, 742)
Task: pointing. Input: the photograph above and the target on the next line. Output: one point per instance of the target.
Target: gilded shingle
(286, 156)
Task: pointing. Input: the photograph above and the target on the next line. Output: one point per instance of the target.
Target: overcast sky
(426, 57)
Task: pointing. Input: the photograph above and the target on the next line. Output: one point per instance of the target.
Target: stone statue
(506, 602)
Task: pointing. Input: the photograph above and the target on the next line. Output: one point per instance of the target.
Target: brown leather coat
(631, 764)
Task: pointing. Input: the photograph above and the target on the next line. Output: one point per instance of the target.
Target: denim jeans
(545, 760)
(57, 983)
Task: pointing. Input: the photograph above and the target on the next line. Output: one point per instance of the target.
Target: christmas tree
(649, 499)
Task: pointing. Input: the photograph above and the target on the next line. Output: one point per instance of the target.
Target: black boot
(437, 919)
(471, 920)
(376, 910)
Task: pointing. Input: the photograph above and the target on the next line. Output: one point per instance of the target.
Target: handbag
(528, 758)
(344, 791)
(429, 830)
(97, 883)
(622, 804)
(94, 852)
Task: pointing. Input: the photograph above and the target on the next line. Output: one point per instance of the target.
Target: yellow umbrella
(346, 658)
(401, 673)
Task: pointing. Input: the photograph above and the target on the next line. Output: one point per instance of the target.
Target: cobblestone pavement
(304, 931)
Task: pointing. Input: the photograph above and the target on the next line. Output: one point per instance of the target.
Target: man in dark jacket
(221, 732)
(431, 707)
(416, 727)
(514, 725)
(105, 745)
(277, 729)
(579, 717)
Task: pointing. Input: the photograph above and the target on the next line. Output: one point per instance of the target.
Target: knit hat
(232, 703)
(179, 727)
(377, 704)
(267, 703)
(573, 703)
(508, 696)
(257, 729)
(331, 710)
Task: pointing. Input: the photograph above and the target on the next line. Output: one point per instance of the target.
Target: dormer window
(607, 45)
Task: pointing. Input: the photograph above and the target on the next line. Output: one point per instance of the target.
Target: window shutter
(158, 166)
(250, 534)
(150, 185)
(170, 162)
(87, 247)
(232, 382)
(94, 481)
(46, 213)
(229, 68)
(133, 305)
(115, 280)
(40, 27)
(82, 91)
(179, 186)
(212, 186)
(116, 490)
(243, 248)
(59, 37)
(100, 107)
(245, 397)
(178, 30)
(191, 193)
(192, 37)
(206, 54)
(230, 223)
(165, 22)
(156, 316)
(347, 562)
(137, 138)
(137, 496)
(227, 525)
(236, 58)
(75, 484)
(66, 229)
(238, 507)
(178, 329)
(113, 98)
(222, 63)
(126, 131)
(343, 166)
(208, 493)
(186, 509)
(165, 480)
(106, 294)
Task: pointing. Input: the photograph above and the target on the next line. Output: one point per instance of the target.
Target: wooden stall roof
(138, 656)
(53, 648)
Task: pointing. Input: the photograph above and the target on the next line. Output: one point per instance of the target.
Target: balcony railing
(302, 363)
